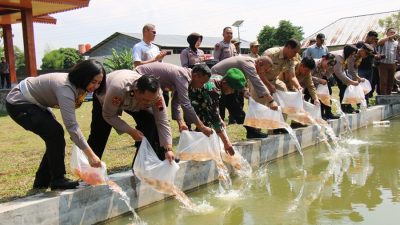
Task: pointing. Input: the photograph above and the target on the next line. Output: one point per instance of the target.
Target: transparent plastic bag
(260, 116)
(366, 86)
(323, 94)
(198, 147)
(81, 168)
(353, 95)
(290, 102)
(147, 167)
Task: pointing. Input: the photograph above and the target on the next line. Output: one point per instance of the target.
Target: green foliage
(391, 21)
(18, 55)
(119, 60)
(19, 58)
(270, 36)
(61, 59)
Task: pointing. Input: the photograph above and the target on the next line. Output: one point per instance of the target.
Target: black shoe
(256, 133)
(41, 183)
(279, 131)
(63, 183)
(295, 125)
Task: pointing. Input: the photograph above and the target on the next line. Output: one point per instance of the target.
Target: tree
(391, 21)
(119, 60)
(270, 36)
(61, 59)
(18, 55)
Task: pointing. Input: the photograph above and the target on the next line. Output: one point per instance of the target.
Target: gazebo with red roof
(27, 12)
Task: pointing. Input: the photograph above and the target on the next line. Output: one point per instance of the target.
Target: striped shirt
(390, 50)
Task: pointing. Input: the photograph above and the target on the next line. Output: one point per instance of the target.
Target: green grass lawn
(21, 151)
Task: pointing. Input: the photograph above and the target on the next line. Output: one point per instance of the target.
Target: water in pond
(357, 184)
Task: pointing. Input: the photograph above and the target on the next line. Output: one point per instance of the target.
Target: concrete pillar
(9, 51)
(29, 42)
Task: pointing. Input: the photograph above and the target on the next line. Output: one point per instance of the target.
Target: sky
(208, 17)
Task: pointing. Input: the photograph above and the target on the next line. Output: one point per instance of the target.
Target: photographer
(389, 47)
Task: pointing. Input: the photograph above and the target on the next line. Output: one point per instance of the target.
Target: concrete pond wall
(89, 205)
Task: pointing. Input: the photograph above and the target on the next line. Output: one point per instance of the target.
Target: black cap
(367, 47)
(372, 33)
(321, 36)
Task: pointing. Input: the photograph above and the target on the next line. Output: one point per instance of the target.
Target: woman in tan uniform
(29, 105)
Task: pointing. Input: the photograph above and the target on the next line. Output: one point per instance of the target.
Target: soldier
(205, 101)
(253, 70)
(254, 48)
(282, 58)
(225, 49)
(178, 79)
(140, 97)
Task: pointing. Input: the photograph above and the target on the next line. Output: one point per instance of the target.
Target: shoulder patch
(116, 100)
(159, 104)
(216, 47)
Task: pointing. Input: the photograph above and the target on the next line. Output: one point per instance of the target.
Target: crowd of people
(203, 91)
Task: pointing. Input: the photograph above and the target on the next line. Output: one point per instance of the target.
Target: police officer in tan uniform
(282, 58)
(225, 49)
(303, 70)
(139, 96)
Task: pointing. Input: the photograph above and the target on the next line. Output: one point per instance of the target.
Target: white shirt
(143, 52)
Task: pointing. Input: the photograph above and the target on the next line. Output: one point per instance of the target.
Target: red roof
(10, 10)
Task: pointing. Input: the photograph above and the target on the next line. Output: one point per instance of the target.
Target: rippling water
(359, 183)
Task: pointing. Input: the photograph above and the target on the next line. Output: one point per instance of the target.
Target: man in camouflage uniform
(205, 101)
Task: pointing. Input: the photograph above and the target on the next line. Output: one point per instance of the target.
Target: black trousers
(234, 103)
(235, 107)
(5, 78)
(375, 82)
(41, 122)
(100, 130)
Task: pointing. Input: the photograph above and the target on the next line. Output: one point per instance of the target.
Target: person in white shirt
(145, 51)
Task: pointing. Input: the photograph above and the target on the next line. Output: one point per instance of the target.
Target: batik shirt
(205, 102)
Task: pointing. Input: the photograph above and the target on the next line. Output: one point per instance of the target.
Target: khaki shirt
(280, 64)
(224, 50)
(177, 79)
(306, 81)
(119, 96)
(247, 66)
